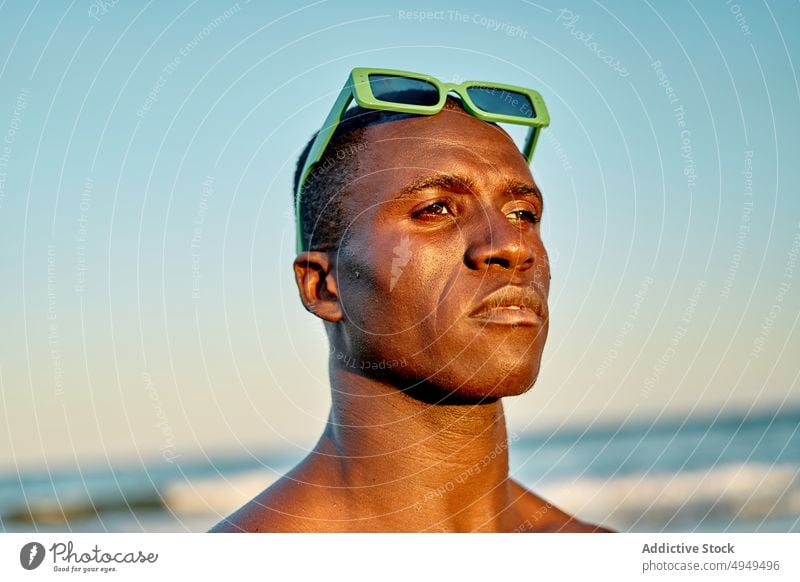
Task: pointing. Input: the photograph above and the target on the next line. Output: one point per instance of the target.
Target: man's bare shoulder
(542, 516)
(286, 506)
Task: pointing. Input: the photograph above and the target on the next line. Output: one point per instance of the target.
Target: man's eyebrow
(463, 185)
(524, 189)
(450, 182)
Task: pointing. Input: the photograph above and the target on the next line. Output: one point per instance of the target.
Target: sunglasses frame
(359, 89)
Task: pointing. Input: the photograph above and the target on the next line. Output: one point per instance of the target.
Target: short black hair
(321, 213)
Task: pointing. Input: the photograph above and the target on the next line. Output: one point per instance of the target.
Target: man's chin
(489, 385)
(480, 395)
(508, 386)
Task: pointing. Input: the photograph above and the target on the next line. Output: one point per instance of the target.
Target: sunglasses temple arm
(530, 142)
(324, 136)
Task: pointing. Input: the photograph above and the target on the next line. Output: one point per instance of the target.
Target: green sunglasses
(404, 92)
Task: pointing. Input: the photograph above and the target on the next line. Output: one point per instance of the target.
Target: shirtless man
(426, 265)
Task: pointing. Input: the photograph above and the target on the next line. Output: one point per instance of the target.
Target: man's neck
(415, 465)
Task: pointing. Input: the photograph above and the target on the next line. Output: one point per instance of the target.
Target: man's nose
(494, 241)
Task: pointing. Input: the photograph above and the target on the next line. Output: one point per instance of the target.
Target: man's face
(452, 276)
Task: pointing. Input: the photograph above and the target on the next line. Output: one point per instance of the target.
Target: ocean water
(729, 474)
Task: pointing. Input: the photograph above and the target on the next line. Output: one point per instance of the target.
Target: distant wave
(747, 491)
(216, 496)
(200, 496)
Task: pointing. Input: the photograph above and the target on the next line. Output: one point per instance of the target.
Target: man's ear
(317, 285)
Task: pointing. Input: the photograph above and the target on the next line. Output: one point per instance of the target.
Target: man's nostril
(497, 261)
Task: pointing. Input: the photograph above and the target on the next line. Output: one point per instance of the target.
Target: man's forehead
(451, 141)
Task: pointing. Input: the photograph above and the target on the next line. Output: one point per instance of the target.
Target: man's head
(429, 254)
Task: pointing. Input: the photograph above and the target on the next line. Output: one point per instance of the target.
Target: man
(422, 254)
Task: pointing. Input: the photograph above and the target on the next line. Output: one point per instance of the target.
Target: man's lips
(510, 305)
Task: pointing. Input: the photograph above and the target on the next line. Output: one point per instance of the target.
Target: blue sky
(146, 236)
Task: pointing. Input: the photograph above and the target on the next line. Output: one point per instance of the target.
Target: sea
(731, 473)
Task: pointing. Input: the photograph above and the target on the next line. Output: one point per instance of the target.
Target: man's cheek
(541, 278)
(399, 262)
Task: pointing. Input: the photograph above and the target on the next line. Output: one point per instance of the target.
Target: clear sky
(146, 234)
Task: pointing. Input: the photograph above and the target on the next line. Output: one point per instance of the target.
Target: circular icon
(31, 555)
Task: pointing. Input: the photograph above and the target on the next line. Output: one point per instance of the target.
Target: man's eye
(435, 209)
(524, 215)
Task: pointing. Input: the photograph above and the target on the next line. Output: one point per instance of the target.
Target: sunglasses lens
(394, 89)
(502, 101)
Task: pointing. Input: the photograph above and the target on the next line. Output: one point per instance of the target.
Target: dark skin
(444, 213)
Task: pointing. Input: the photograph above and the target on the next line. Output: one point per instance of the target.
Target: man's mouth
(510, 306)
